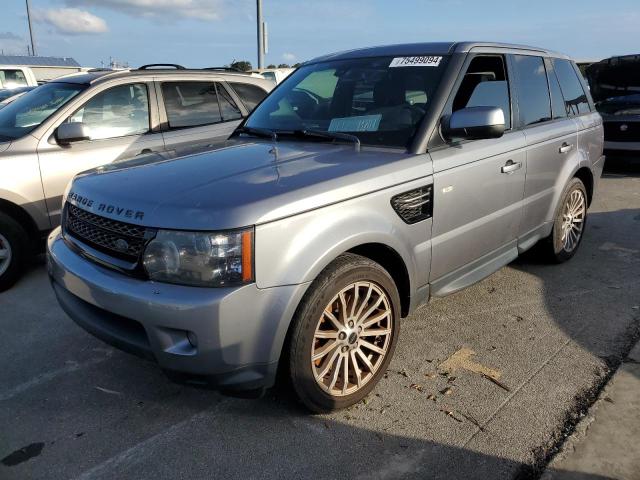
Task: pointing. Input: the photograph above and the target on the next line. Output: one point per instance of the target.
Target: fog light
(193, 340)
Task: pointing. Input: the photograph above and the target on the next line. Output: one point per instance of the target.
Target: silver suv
(364, 184)
(85, 120)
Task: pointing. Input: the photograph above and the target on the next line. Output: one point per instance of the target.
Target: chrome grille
(414, 205)
(119, 239)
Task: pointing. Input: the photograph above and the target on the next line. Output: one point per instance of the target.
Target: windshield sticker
(415, 62)
(362, 123)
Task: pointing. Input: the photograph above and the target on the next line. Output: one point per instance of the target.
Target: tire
(563, 244)
(14, 250)
(370, 295)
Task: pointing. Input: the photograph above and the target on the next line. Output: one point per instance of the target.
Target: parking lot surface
(485, 383)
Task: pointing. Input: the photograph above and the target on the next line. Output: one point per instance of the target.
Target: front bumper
(230, 338)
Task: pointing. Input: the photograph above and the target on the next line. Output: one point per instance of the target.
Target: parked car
(365, 184)
(276, 75)
(615, 86)
(9, 95)
(14, 76)
(86, 120)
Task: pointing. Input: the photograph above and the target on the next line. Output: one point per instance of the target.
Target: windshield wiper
(332, 135)
(258, 132)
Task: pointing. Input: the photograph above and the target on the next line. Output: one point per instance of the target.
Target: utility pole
(33, 46)
(260, 34)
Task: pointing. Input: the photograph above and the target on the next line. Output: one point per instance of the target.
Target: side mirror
(72, 132)
(474, 123)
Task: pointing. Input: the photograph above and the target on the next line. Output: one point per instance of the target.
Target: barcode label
(415, 62)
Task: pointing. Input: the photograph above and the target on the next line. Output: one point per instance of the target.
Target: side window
(228, 107)
(557, 100)
(190, 104)
(117, 112)
(250, 95)
(485, 84)
(12, 78)
(534, 102)
(574, 97)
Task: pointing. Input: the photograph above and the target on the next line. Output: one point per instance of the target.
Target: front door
(120, 125)
(478, 187)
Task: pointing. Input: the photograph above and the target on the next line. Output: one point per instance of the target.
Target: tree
(296, 65)
(271, 65)
(243, 65)
(283, 65)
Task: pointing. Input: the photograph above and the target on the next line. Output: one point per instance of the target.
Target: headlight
(204, 259)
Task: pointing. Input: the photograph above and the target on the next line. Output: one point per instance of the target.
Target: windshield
(380, 100)
(27, 112)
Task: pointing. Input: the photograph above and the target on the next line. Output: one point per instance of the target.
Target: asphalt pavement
(485, 383)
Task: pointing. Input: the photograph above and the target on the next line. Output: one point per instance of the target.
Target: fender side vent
(414, 205)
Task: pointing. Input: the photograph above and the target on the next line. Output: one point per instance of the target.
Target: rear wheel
(344, 334)
(14, 248)
(569, 224)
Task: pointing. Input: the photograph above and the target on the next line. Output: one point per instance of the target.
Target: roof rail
(225, 69)
(156, 65)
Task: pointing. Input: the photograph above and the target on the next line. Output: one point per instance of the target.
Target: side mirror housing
(72, 132)
(474, 123)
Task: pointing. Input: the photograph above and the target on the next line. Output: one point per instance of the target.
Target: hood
(241, 184)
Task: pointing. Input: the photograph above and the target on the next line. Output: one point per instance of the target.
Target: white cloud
(196, 9)
(289, 57)
(71, 21)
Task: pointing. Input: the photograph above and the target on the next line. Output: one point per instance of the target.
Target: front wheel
(13, 251)
(344, 334)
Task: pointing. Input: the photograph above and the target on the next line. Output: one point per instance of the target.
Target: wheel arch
(21, 216)
(586, 177)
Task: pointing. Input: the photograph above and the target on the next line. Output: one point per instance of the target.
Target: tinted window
(574, 96)
(485, 85)
(557, 100)
(533, 92)
(380, 100)
(189, 104)
(249, 94)
(228, 107)
(117, 112)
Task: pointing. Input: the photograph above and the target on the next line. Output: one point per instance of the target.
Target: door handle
(511, 166)
(565, 147)
(144, 151)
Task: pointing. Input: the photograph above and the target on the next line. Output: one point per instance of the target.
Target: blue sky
(214, 32)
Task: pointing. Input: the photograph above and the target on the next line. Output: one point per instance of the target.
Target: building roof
(38, 61)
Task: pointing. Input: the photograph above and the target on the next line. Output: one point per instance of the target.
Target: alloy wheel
(573, 216)
(5, 254)
(352, 338)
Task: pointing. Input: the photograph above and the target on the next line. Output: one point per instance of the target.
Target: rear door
(477, 202)
(123, 123)
(551, 136)
(196, 114)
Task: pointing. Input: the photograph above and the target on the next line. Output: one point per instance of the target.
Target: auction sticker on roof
(427, 61)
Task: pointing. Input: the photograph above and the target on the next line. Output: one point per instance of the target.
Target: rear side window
(574, 97)
(485, 85)
(534, 103)
(251, 95)
(192, 104)
(557, 100)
